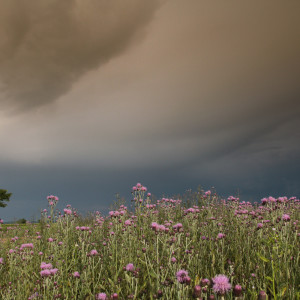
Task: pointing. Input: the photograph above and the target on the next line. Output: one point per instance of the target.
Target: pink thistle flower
(221, 236)
(46, 266)
(154, 226)
(50, 240)
(68, 211)
(76, 275)
(205, 282)
(221, 284)
(127, 222)
(286, 218)
(130, 267)
(101, 296)
(23, 246)
(45, 273)
(162, 228)
(182, 276)
(93, 252)
(53, 271)
(260, 225)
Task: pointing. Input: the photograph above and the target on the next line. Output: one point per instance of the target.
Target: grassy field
(201, 248)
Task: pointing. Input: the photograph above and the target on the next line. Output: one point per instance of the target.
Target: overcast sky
(97, 95)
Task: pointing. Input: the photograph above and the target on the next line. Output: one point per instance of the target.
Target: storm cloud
(47, 45)
(174, 95)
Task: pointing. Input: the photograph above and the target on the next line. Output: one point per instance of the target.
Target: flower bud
(159, 294)
(262, 295)
(197, 291)
(237, 291)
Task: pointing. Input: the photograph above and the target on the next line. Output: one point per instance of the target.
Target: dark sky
(97, 95)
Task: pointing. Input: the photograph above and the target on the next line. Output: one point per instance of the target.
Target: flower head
(23, 246)
(93, 252)
(101, 296)
(67, 211)
(260, 225)
(127, 222)
(221, 235)
(45, 273)
(221, 284)
(46, 266)
(130, 267)
(76, 275)
(182, 276)
(286, 217)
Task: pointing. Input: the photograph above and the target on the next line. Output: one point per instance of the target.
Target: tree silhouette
(4, 196)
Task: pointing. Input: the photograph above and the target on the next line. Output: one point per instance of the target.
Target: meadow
(199, 247)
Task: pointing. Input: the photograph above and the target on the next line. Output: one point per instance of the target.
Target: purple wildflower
(182, 276)
(93, 252)
(130, 267)
(23, 246)
(46, 266)
(127, 223)
(76, 275)
(101, 296)
(286, 217)
(45, 273)
(53, 271)
(221, 284)
(260, 225)
(221, 235)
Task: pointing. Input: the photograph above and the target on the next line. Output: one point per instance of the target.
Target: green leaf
(262, 258)
(111, 282)
(153, 274)
(128, 278)
(269, 278)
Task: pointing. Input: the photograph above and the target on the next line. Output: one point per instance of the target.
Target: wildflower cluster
(203, 247)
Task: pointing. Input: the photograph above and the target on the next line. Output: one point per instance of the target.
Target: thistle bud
(237, 291)
(262, 295)
(197, 291)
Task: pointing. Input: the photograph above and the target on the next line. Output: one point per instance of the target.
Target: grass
(255, 246)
